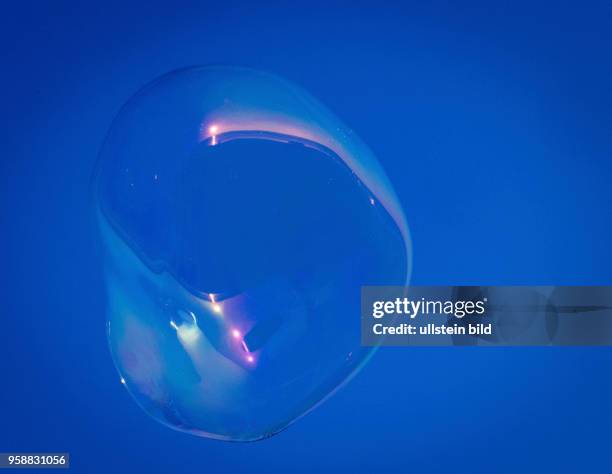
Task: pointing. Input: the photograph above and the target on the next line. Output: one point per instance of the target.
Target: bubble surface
(239, 219)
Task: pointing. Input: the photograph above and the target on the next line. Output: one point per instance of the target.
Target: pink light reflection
(366, 169)
(213, 130)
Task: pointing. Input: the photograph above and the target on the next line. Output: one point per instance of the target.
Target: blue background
(494, 123)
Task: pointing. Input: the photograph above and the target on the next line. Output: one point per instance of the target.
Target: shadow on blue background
(494, 124)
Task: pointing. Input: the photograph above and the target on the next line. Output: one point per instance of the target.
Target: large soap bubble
(239, 220)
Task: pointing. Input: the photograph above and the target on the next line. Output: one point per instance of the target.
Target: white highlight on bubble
(213, 130)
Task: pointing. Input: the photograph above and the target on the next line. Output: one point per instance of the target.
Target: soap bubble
(239, 219)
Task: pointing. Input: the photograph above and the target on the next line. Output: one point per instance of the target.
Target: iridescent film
(239, 219)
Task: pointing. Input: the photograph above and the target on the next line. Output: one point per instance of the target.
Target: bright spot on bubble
(231, 192)
(213, 129)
